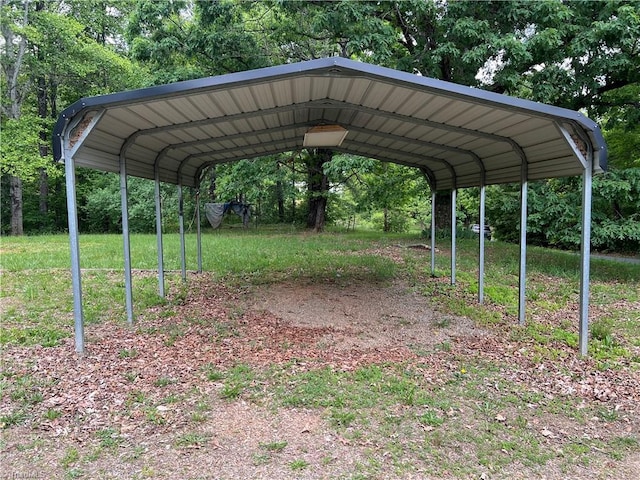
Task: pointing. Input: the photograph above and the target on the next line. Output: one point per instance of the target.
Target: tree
(48, 60)
(180, 40)
(13, 18)
(574, 54)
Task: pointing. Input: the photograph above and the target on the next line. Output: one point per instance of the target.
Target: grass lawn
(207, 385)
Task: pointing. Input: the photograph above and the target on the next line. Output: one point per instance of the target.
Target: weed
(169, 399)
(298, 464)
(275, 446)
(191, 440)
(74, 473)
(602, 329)
(617, 447)
(52, 414)
(128, 353)
(12, 418)
(442, 322)
(109, 438)
(341, 418)
(173, 333)
(607, 414)
(26, 392)
(136, 397)
(71, 456)
(261, 458)
(164, 381)
(213, 372)
(152, 415)
(46, 336)
(198, 417)
(231, 391)
(431, 419)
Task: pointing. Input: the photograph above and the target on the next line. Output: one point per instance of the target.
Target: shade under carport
(458, 136)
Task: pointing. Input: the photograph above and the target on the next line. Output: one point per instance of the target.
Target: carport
(457, 136)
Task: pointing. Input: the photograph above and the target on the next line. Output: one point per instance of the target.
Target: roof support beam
(420, 121)
(571, 142)
(416, 141)
(391, 153)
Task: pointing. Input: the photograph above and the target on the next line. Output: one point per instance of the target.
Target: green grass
(191, 440)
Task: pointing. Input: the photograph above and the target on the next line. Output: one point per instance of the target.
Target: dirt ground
(116, 421)
(362, 317)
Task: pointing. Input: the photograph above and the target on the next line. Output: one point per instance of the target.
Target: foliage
(308, 30)
(181, 40)
(20, 147)
(102, 212)
(555, 212)
(624, 146)
(49, 60)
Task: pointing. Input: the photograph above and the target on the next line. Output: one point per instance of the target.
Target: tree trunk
(318, 188)
(42, 97)
(15, 194)
(443, 210)
(212, 184)
(280, 193)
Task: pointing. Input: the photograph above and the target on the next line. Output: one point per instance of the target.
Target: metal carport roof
(454, 132)
(457, 135)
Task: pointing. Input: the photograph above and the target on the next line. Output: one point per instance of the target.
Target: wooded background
(582, 55)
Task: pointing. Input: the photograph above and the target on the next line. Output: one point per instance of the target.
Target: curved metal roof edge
(328, 64)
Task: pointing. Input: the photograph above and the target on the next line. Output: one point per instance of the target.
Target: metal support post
(453, 236)
(74, 241)
(523, 246)
(585, 256)
(124, 202)
(183, 260)
(433, 232)
(481, 248)
(198, 231)
(158, 201)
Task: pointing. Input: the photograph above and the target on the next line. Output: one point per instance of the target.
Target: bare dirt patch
(362, 316)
